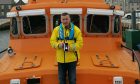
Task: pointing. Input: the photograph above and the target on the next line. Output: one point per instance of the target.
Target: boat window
(14, 26)
(74, 19)
(116, 24)
(97, 23)
(34, 24)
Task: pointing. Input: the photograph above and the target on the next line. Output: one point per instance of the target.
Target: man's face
(65, 20)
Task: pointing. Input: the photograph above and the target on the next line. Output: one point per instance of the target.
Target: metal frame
(113, 26)
(92, 34)
(28, 35)
(18, 27)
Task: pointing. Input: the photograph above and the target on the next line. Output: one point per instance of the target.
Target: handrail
(133, 54)
(3, 50)
(138, 80)
(134, 57)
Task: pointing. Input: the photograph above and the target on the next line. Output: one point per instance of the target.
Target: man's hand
(61, 45)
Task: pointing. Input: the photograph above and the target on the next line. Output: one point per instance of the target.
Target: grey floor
(4, 40)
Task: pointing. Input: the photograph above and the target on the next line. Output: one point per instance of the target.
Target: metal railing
(134, 57)
(3, 50)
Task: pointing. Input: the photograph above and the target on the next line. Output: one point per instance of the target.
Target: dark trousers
(63, 68)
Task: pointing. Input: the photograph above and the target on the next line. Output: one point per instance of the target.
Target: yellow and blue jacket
(74, 44)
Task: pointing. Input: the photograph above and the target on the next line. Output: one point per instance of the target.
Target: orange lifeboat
(31, 60)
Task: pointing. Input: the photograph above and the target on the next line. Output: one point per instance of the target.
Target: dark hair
(64, 14)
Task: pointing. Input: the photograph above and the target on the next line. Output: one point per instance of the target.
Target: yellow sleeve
(79, 41)
(53, 40)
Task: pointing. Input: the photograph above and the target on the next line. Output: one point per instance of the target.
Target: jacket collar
(68, 28)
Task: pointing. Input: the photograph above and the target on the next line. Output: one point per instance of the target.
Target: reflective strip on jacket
(73, 46)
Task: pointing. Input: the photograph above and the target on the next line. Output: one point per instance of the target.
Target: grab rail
(3, 50)
(134, 57)
(133, 54)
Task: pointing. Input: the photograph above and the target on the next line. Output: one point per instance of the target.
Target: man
(67, 39)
